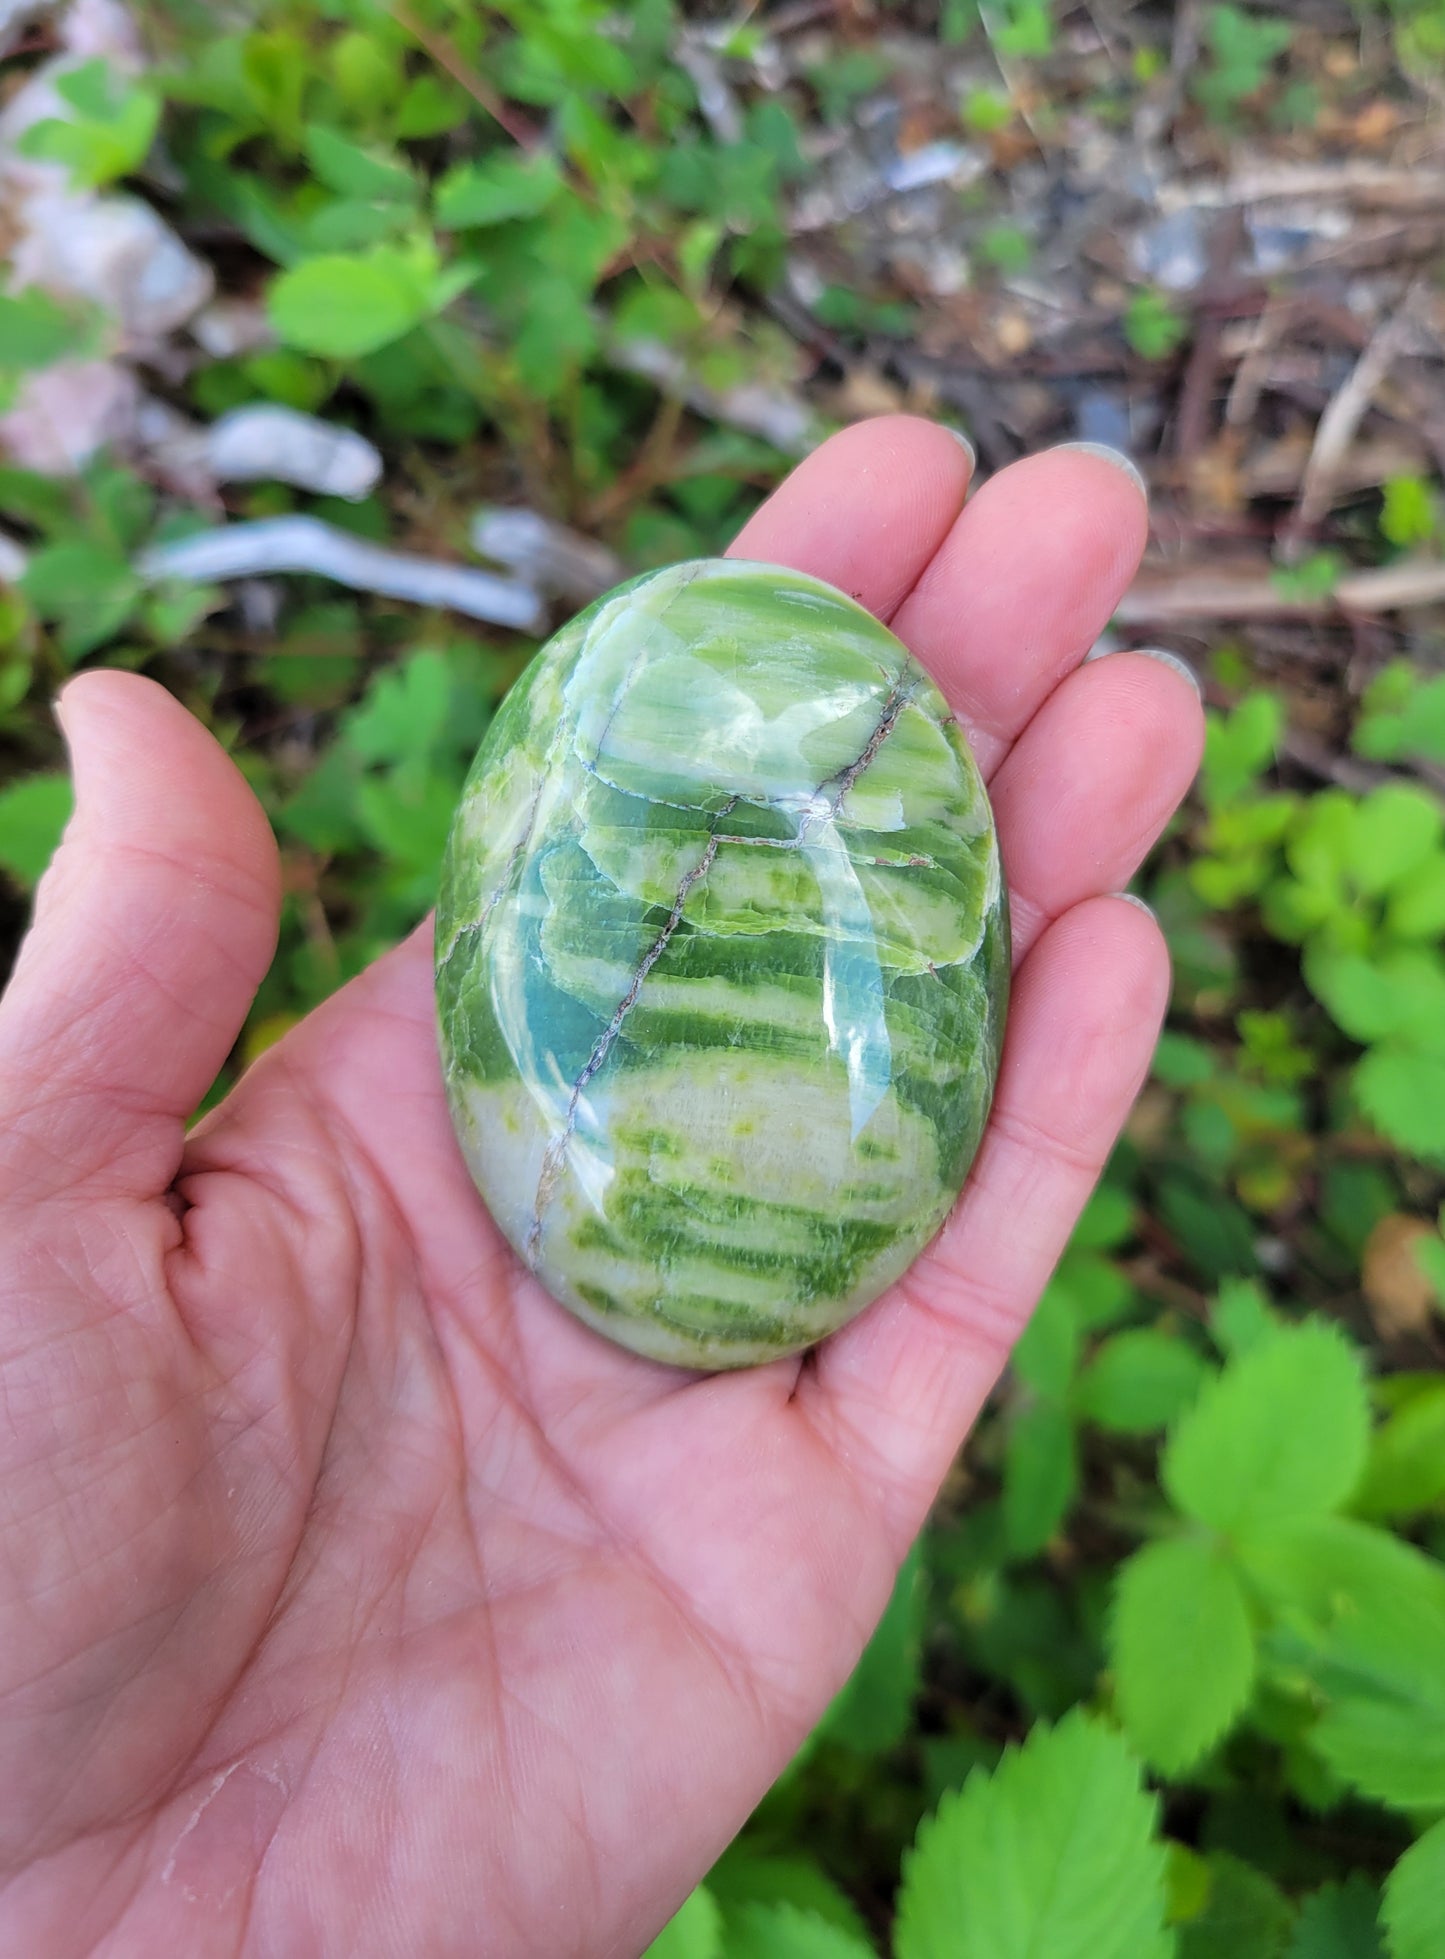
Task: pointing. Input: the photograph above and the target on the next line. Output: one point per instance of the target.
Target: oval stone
(722, 963)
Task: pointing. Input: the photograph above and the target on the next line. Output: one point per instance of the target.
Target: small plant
(1242, 50)
(1152, 326)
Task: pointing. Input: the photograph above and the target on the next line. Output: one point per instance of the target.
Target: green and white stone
(722, 963)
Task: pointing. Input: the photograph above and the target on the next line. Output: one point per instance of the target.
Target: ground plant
(1166, 1673)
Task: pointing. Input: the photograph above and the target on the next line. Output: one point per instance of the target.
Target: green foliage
(694, 1933)
(1414, 1907)
(1278, 1438)
(1409, 514)
(341, 305)
(1242, 49)
(1404, 716)
(1339, 1921)
(1245, 1915)
(782, 1931)
(1152, 326)
(109, 133)
(1055, 1852)
(1183, 1648)
(33, 812)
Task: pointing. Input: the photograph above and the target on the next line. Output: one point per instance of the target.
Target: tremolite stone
(722, 963)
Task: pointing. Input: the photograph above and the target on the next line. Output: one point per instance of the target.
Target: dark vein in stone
(899, 695)
(557, 1148)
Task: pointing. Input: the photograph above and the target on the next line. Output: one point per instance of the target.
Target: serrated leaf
(1279, 1436)
(1139, 1380)
(1405, 1473)
(1414, 1905)
(1245, 1916)
(1040, 1475)
(1339, 1921)
(1361, 1616)
(33, 813)
(743, 1876)
(1055, 1853)
(694, 1932)
(1182, 1650)
(1402, 1091)
(784, 1932)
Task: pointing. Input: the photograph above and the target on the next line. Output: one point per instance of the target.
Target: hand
(353, 1599)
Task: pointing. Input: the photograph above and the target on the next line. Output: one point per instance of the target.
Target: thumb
(153, 928)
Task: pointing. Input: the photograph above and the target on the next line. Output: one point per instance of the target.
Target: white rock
(230, 327)
(274, 444)
(65, 413)
(13, 561)
(544, 553)
(115, 252)
(305, 544)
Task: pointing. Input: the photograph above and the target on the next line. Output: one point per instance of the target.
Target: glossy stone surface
(722, 963)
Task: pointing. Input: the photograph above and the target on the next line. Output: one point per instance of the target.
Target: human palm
(353, 1598)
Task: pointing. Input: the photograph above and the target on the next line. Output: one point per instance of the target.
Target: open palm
(353, 1599)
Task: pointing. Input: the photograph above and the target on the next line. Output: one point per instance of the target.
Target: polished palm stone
(722, 963)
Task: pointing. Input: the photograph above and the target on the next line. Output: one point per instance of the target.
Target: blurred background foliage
(1167, 1672)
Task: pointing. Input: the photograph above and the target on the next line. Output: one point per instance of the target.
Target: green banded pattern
(722, 963)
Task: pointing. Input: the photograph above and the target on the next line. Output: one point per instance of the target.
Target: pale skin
(353, 1599)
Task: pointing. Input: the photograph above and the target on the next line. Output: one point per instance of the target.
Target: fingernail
(963, 442)
(1107, 647)
(1174, 663)
(1116, 460)
(1131, 898)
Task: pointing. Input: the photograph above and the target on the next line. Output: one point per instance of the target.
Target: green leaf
(1407, 516)
(404, 716)
(1402, 1091)
(1339, 1921)
(1397, 993)
(1396, 829)
(1241, 1317)
(33, 812)
(1048, 1350)
(1414, 1906)
(695, 1932)
(1182, 1650)
(351, 171)
(1405, 1473)
(343, 305)
(1107, 1221)
(1054, 1853)
(743, 1876)
(1245, 1916)
(1040, 1476)
(35, 331)
(1139, 1380)
(1279, 1436)
(1362, 1616)
(784, 1932)
(88, 591)
(471, 195)
(111, 134)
